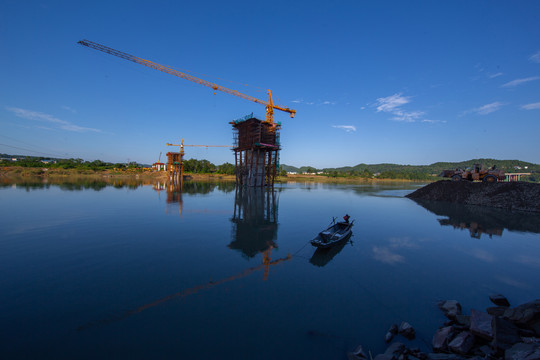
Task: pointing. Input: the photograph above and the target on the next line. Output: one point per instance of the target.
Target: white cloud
(535, 58)
(406, 116)
(390, 103)
(532, 106)
(520, 81)
(38, 116)
(433, 121)
(69, 109)
(486, 109)
(386, 256)
(482, 255)
(326, 102)
(347, 128)
(492, 76)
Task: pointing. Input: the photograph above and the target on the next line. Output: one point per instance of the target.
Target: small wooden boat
(334, 234)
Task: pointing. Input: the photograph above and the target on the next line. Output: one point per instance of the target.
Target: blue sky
(409, 82)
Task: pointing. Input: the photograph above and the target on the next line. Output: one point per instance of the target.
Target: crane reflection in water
(255, 231)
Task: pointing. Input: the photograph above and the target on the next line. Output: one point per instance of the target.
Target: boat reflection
(482, 220)
(255, 223)
(321, 257)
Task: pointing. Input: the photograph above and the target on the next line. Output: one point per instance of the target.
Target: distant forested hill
(432, 169)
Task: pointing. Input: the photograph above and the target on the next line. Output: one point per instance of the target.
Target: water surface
(96, 270)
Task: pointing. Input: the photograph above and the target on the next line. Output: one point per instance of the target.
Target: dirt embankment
(520, 196)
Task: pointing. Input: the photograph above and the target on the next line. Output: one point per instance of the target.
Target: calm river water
(93, 271)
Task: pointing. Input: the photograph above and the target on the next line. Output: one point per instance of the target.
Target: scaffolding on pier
(256, 151)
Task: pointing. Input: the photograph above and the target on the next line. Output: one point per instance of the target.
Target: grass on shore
(24, 172)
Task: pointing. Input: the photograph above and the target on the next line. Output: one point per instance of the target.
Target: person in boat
(346, 218)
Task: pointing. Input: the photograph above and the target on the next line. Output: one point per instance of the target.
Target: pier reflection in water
(482, 220)
(255, 223)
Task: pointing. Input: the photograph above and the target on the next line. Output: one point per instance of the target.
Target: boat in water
(334, 234)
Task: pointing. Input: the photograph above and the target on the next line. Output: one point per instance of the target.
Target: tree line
(190, 165)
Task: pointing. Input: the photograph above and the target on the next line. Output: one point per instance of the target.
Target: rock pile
(520, 196)
(499, 333)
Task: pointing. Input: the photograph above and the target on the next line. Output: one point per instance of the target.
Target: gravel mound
(520, 196)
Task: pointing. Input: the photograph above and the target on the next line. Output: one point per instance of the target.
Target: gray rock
(522, 351)
(407, 330)
(524, 314)
(357, 354)
(505, 334)
(384, 357)
(481, 324)
(392, 353)
(441, 339)
(433, 356)
(530, 340)
(450, 308)
(485, 350)
(536, 327)
(496, 310)
(462, 343)
(393, 329)
(388, 337)
(395, 349)
(464, 320)
(499, 300)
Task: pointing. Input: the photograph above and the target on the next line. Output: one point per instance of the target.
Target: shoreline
(57, 173)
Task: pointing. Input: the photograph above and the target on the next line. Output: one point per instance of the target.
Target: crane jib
(269, 105)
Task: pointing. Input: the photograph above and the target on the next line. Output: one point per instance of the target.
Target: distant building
(159, 166)
(48, 161)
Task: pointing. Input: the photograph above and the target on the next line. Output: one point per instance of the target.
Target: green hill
(508, 166)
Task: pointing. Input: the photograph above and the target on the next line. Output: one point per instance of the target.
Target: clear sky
(408, 82)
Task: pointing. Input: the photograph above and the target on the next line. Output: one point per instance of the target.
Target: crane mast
(268, 104)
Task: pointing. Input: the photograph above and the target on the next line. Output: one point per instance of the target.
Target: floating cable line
(25, 143)
(37, 152)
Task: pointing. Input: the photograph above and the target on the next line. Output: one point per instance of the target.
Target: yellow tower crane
(270, 106)
(182, 146)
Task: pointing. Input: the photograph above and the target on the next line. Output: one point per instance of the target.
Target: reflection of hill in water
(255, 221)
(72, 183)
(482, 220)
(192, 187)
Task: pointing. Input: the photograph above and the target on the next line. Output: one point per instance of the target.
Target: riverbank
(341, 180)
(520, 196)
(26, 172)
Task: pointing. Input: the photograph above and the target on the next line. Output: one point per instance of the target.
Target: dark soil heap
(520, 196)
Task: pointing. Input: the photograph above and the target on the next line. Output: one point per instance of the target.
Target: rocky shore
(500, 332)
(520, 196)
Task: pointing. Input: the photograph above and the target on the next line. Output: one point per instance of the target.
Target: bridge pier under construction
(175, 166)
(256, 151)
